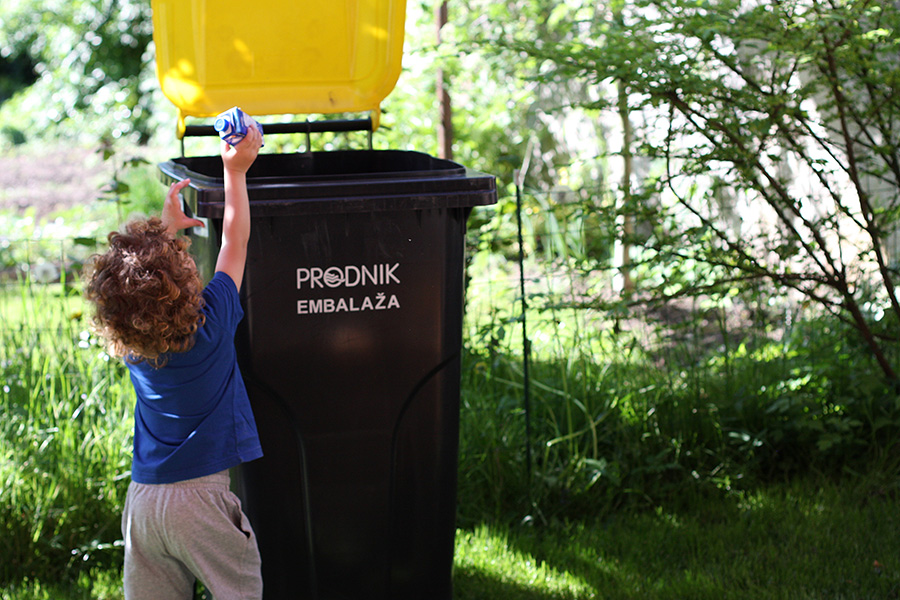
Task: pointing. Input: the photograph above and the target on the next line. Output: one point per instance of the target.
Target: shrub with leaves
(772, 129)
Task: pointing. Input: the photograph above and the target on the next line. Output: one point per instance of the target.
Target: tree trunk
(445, 122)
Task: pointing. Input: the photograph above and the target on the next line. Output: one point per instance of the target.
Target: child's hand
(173, 217)
(239, 158)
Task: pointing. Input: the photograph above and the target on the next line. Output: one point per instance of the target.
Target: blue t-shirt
(193, 416)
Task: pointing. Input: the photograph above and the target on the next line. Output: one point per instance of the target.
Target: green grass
(65, 413)
(809, 540)
(788, 542)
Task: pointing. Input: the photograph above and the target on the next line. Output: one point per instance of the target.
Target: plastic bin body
(350, 348)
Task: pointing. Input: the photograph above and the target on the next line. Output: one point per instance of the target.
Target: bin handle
(308, 127)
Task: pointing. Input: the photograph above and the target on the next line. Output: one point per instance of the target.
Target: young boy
(192, 418)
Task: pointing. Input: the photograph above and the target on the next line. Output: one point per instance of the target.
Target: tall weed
(635, 407)
(65, 427)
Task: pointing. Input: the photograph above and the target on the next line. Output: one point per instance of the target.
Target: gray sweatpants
(176, 533)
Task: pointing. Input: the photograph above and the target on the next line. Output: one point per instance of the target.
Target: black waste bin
(350, 349)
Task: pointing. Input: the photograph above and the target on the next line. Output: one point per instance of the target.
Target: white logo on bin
(348, 276)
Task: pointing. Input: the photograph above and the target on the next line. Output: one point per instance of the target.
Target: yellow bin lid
(277, 56)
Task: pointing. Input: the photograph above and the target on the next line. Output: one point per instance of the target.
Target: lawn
(793, 542)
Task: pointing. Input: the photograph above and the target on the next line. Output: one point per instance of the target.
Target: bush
(633, 426)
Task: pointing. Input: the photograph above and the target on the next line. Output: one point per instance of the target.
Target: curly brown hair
(147, 293)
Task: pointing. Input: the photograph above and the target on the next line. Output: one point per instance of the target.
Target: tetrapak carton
(232, 125)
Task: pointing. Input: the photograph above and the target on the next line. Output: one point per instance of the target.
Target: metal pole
(520, 176)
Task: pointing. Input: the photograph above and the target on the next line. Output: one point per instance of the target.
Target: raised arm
(236, 222)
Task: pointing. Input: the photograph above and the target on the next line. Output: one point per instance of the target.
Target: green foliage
(672, 403)
(94, 73)
(16, 72)
(131, 189)
(682, 413)
(624, 419)
(611, 429)
(64, 440)
(65, 430)
(786, 108)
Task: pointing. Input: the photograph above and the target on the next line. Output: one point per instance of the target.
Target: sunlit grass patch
(804, 540)
(488, 566)
(97, 585)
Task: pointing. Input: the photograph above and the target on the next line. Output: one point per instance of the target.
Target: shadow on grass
(795, 542)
